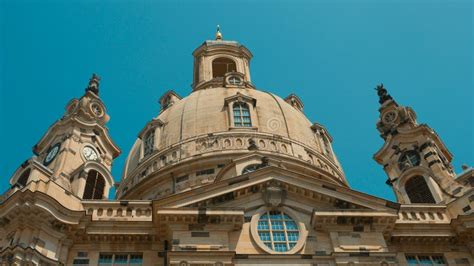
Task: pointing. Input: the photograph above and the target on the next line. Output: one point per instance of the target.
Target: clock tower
(416, 160)
(76, 152)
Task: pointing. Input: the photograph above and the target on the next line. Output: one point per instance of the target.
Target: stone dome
(201, 138)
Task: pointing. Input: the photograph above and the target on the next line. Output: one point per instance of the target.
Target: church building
(232, 175)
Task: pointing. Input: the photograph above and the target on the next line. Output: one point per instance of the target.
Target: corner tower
(76, 152)
(417, 162)
(219, 60)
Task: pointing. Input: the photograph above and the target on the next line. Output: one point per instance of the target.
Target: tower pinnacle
(94, 84)
(383, 94)
(218, 33)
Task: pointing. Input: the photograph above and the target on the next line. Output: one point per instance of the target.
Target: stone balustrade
(119, 210)
(423, 213)
(223, 141)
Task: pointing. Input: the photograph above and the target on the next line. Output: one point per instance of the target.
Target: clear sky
(330, 53)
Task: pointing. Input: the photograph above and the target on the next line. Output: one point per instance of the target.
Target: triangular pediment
(298, 191)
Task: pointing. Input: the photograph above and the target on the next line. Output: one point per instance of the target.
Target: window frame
(296, 245)
(405, 160)
(94, 188)
(114, 259)
(279, 236)
(430, 256)
(24, 177)
(149, 142)
(228, 69)
(250, 168)
(229, 103)
(243, 111)
(415, 192)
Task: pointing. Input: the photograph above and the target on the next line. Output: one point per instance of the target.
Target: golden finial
(218, 33)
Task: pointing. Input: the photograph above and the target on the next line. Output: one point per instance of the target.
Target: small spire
(94, 84)
(383, 94)
(218, 33)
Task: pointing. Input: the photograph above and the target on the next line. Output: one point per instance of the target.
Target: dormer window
(149, 143)
(327, 146)
(250, 168)
(168, 99)
(241, 111)
(221, 66)
(241, 115)
(166, 102)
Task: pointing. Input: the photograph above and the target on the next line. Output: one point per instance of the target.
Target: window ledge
(243, 128)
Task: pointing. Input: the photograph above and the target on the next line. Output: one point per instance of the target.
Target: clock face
(409, 159)
(390, 117)
(89, 153)
(53, 151)
(97, 109)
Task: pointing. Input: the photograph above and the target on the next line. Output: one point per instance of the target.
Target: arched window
(418, 191)
(221, 66)
(327, 147)
(250, 168)
(24, 177)
(149, 142)
(242, 115)
(95, 185)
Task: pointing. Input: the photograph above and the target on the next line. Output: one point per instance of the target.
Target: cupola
(221, 62)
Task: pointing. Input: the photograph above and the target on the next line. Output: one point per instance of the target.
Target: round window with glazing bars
(278, 231)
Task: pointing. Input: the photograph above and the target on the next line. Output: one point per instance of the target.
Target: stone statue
(94, 84)
(383, 94)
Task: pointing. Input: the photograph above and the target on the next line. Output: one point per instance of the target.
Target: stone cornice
(409, 134)
(353, 217)
(211, 47)
(329, 169)
(31, 252)
(45, 141)
(27, 200)
(289, 180)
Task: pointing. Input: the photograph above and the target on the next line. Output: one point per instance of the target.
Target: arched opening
(149, 142)
(250, 168)
(95, 185)
(327, 146)
(221, 66)
(418, 191)
(24, 177)
(242, 115)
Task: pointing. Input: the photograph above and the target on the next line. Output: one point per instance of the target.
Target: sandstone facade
(232, 175)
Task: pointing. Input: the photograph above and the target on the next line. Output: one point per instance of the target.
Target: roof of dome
(204, 112)
(199, 130)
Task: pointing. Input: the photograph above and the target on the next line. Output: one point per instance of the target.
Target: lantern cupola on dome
(220, 63)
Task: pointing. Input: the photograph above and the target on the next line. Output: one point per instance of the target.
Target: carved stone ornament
(252, 145)
(94, 84)
(273, 195)
(383, 94)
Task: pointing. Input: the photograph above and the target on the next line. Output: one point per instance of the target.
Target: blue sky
(330, 53)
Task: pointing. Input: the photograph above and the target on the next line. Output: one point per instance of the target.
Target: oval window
(278, 231)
